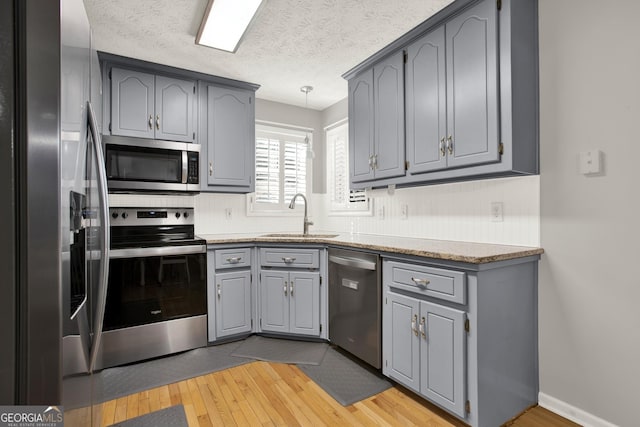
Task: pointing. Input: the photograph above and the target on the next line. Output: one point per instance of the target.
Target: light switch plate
(591, 162)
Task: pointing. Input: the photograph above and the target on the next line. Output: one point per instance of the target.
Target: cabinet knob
(442, 150)
(158, 121)
(150, 121)
(450, 145)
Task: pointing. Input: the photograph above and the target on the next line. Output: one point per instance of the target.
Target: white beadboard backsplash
(457, 211)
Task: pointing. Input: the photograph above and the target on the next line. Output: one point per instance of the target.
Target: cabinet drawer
(233, 258)
(439, 283)
(295, 258)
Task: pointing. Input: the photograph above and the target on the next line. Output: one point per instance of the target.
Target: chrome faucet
(307, 223)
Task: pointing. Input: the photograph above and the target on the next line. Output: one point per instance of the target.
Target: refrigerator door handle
(106, 238)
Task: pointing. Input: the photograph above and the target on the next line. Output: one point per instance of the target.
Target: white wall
(589, 289)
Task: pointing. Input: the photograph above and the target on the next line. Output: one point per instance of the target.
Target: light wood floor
(274, 394)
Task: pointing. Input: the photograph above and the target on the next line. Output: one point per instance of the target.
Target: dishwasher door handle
(353, 262)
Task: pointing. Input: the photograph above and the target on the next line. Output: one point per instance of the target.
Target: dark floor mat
(282, 350)
(344, 379)
(173, 416)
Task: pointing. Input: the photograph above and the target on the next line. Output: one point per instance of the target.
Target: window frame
(283, 133)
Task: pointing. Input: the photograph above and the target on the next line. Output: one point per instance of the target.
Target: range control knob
(114, 215)
(124, 215)
(177, 215)
(186, 214)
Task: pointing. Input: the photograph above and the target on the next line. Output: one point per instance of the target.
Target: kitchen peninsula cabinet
(151, 106)
(471, 91)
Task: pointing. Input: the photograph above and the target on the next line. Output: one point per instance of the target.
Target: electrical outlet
(380, 211)
(227, 213)
(404, 211)
(496, 212)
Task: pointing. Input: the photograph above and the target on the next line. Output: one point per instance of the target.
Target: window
(282, 168)
(342, 200)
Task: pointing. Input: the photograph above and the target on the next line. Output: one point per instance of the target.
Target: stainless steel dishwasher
(355, 303)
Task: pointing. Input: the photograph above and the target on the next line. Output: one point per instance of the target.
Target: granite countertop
(474, 253)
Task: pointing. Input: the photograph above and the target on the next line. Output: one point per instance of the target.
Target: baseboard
(571, 413)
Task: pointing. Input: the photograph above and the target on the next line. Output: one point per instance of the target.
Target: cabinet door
(472, 86)
(426, 90)
(401, 345)
(174, 109)
(230, 137)
(361, 127)
(132, 110)
(388, 89)
(442, 356)
(233, 303)
(304, 294)
(274, 300)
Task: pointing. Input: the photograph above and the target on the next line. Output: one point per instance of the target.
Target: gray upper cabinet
(132, 103)
(361, 146)
(174, 109)
(228, 122)
(148, 106)
(388, 90)
(376, 105)
(426, 124)
(470, 87)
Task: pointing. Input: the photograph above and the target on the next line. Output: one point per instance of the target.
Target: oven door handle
(106, 238)
(157, 251)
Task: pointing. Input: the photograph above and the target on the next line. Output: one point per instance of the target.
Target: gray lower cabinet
(463, 336)
(290, 302)
(229, 292)
(228, 139)
(233, 303)
(426, 349)
(151, 106)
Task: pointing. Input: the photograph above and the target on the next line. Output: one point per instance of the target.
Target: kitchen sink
(297, 235)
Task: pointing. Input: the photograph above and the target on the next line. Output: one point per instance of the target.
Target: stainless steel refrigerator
(54, 249)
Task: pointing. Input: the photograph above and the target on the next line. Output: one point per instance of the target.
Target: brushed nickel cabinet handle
(234, 260)
(285, 288)
(420, 282)
(423, 328)
(219, 291)
(291, 288)
(288, 260)
(414, 321)
(150, 121)
(442, 150)
(450, 145)
(210, 168)
(158, 121)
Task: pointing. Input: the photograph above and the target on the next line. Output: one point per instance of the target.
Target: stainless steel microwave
(148, 165)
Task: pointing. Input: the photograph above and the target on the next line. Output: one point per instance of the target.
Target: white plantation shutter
(281, 167)
(342, 199)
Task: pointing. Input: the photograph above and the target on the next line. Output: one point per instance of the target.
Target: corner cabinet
(290, 294)
(228, 139)
(471, 91)
(151, 106)
(463, 336)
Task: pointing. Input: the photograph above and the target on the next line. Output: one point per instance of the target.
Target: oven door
(150, 165)
(157, 284)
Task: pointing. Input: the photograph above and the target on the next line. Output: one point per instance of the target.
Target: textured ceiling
(291, 43)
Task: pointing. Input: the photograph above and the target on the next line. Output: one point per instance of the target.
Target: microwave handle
(185, 167)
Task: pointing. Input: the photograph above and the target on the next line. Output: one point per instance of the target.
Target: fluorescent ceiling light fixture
(225, 22)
